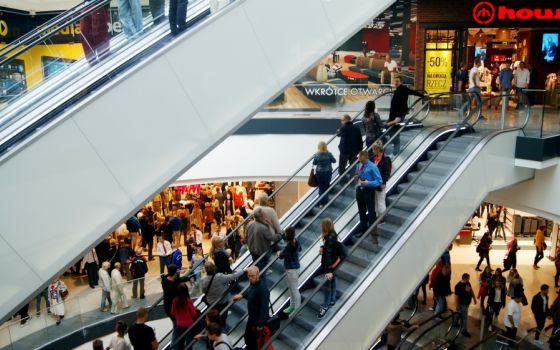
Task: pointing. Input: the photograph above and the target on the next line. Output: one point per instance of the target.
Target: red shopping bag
(264, 338)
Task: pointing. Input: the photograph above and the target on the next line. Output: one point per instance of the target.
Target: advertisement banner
(437, 76)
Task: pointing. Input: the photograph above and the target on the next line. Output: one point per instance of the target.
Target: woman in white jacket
(117, 290)
(105, 284)
(57, 292)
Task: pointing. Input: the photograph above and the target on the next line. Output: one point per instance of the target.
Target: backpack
(342, 251)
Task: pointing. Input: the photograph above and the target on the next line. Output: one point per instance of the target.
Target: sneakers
(322, 312)
(289, 310)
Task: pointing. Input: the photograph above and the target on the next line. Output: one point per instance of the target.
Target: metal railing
(304, 212)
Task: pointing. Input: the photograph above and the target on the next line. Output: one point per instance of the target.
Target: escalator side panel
(96, 165)
(392, 281)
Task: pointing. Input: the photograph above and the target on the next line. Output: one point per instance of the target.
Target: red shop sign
(485, 12)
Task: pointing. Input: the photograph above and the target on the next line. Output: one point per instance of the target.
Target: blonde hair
(322, 147)
(379, 145)
(327, 226)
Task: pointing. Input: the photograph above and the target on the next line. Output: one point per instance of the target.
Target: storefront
(452, 32)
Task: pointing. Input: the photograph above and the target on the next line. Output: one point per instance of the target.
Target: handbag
(312, 180)
(64, 294)
(264, 337)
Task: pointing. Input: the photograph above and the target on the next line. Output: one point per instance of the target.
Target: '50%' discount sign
(438, 71)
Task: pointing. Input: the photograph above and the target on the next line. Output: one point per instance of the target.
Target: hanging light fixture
(503, 34)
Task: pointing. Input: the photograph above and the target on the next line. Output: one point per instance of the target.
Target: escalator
(429, 205)
(341, 208)
(81, 151)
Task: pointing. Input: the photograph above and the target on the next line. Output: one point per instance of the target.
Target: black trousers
(511, 332)
(251, 337)
(344, 160)
(540, 325)
(91, 270)
(482, 257)
(538, 256)
(366, 207)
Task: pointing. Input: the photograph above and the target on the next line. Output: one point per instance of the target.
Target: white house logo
(485, 12)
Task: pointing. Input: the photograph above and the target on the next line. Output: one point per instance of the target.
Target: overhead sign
(437, 77)
(486, 12)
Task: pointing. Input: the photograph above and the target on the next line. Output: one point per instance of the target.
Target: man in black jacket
(399, 108)
(258, 298)
(350, 143)
(539, 306)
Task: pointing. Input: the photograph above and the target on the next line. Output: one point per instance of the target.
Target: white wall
(259, 157)
(538, 196)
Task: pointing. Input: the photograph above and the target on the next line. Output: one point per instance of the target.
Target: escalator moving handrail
(37, 38)
(489, 336)
(300, 232)
(417, 326)
(42, 27)
(377, 221)
(453, 315)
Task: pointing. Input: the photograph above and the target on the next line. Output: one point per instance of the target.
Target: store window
(441, 50)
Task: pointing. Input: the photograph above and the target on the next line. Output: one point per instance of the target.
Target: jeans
(292, 276)
(344, 160)
(130, 14)
(105, 297)
(365, 199)
(538, 256)
(520, 97)
(476, 92)
(330, 292)
(43, 294)
(261, 264)
(177, 16)
(156, 9)
(464, 312)
(323, 182)
(441, 304)
(135, 287)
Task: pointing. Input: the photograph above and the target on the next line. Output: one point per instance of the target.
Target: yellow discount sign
(438, 71)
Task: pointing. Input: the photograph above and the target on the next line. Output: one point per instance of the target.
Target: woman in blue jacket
(323, 161)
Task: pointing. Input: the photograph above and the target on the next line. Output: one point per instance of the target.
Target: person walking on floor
(463, 297)
(540, 246)
(483, 250)
(368, 179)
(330, 258)
(513, 316)
(350, 143)
(323, 160)
(485, 281)
(510, 260)
(138, 269)
(117, 290)
(105, 284)
(90, 264)
(398, 110)
(442, 289)
(474, 83)
(130, 15)
(57, 293)
(290, 255)
(539, 307)
(496, 301)
(522, 78)
(164, 251)
(258, 299)
(177, 16)
(42, 294)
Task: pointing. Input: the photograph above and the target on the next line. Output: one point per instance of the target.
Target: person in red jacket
(185, 313)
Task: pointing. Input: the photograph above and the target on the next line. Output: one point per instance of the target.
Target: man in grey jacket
(260, 236)
(215, 286)
(270, 213)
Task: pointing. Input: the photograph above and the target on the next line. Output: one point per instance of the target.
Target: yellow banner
(437, 77)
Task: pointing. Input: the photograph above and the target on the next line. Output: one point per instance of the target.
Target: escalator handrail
(495, 332)
(42, 27)
(203, 314)
(45, 33)
(300, 232)
(454, 315)
(417, 326)
(374, 225)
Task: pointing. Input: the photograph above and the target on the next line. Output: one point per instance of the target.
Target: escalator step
(358, 260)
(397, 216)
(407, 202)
(388, 230)
(435, 168)
(427, 180)
(445, 156)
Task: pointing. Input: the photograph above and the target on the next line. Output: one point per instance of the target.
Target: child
(290, 254)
